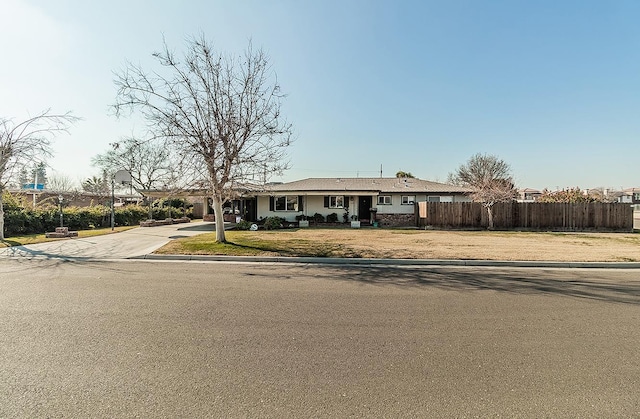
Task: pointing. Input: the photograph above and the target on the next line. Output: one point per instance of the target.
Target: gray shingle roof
(379, 185)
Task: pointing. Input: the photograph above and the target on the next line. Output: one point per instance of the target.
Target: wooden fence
(527, 216)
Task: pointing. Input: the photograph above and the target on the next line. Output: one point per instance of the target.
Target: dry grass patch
(417, 244)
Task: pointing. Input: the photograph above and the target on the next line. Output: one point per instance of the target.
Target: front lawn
(416, 244)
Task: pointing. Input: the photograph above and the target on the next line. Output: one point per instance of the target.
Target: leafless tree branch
(220, 111)
(27, 141)
(489, 178)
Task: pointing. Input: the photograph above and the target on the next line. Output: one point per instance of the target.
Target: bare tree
(489, 179)
(221, 110)
(149, 162)
(61, 183)
(27, 141)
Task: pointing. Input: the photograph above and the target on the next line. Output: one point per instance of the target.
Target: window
(384, 200)
(408, 199)
(433, 199)
(636, 196)
(336, 201)
(285, 203)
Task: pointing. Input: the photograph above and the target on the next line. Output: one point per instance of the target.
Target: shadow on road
(29, 253)
(619, 287)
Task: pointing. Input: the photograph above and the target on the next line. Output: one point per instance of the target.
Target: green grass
(40, 238)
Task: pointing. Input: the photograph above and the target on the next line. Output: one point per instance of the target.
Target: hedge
(21, 221)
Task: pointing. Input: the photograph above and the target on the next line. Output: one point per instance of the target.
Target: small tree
(574, 195)
(490, 180)
(401, 174)
(149, 162)
(25, 142)
(23, 178)
(221, 111)
(96, 185)
(39, 172)
(61, 183)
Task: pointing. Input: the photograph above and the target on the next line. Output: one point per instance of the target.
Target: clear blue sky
(551, 87)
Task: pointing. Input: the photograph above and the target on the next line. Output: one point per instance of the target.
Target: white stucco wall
(315, 204)
(311, 204)
(396, 206)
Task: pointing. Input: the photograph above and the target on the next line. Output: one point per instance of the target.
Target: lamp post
(113, 199)
(60, 197)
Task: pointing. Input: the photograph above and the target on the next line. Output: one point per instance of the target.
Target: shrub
(318, 218)
(345, 216)
(171, 208)
(130, 215)
(22, 221)
(332, 218)
(272, 223)
(243, 225)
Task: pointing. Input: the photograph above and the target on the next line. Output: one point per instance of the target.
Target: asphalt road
(175, 339)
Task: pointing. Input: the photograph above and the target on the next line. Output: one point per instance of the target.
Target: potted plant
(303, 220)
(373, 211)
(355, 222)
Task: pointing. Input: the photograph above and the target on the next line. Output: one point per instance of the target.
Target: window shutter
(300, 204)
(326, 202)
(345, 201)
(271, 203)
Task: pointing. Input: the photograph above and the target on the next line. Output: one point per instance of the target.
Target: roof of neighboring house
(529, 190)
(365, 185)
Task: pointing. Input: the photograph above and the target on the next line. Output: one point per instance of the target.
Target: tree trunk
(149, 201)
(1, 217)
(217, 211)
(490, 217)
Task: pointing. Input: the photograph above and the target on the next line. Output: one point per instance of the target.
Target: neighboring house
(390, 201)
(630, 196)
(528, 195)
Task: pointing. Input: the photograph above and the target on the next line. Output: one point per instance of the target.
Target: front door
(364, 204)
(250, 209)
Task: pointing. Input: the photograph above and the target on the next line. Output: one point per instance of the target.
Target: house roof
(365, 185)
(529, 190)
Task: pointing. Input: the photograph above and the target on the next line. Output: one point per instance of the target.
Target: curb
(392, 262)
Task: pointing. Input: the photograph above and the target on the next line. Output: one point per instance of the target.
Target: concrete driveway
(136, 242)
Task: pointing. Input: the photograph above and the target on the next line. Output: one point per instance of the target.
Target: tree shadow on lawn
(290, 249)
(616, 286)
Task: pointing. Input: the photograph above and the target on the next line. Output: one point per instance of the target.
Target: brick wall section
(396, 220)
